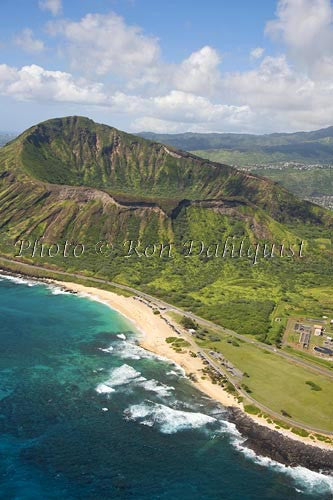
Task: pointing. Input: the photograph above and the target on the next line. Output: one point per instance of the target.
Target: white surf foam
(122, 375)
(155, 386)
(168, 420)
(177, 371)
(106, 349)
(130, 350)
(311, 482)
(19, 280)
(305, 480)
(55, 290)
(121, 336)
(125, 375)
(104, 389)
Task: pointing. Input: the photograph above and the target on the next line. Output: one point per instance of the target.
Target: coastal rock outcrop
(269, 443)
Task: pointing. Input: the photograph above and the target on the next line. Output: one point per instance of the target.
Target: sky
(256, 66)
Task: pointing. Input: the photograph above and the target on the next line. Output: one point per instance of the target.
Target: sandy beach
(153, 333)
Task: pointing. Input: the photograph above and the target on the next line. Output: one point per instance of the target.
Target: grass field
(309, 357)
(280, 384)
(272, 380)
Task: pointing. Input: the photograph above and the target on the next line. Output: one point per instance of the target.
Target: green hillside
(73, 180)
(242, 149)
(257, 152)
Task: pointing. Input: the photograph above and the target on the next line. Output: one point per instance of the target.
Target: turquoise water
(85, 414)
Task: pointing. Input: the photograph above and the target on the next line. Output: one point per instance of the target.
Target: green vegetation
(259, 151)
(281, 424)
(177, 343)
(244, 149)
(232, 292)
(73, 180)
(252, 409)
(278, 383)
(229, 387)
(309, 357)
(304, 183)
(314, 387)
(300, 432)
(188, 323)
(58, 276)
(169, 340)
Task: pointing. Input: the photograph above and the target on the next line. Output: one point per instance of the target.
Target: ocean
(85, 413)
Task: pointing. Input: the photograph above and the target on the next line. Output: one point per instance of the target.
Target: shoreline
(153, 333)
(262, 437)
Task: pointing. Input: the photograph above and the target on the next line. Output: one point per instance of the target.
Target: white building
(318, 330)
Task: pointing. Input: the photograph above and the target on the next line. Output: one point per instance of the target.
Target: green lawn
(281, 385)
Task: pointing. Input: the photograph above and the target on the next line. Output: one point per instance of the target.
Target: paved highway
(201, 321)
(305, 364)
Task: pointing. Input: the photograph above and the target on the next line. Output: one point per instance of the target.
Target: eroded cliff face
(79, 152)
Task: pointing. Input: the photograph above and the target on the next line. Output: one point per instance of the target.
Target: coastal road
(306, 364)
(262, 407)
(224, 373)
(170, 307)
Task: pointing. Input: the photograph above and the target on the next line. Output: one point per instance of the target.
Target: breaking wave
(125, 375)
(305, 480)
(155, 386)
(168, 420)
(130, 350)
(19, 280)
(55, 290)
(104, 389)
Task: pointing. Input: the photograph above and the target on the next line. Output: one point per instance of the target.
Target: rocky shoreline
(259, 438)
(272, 444)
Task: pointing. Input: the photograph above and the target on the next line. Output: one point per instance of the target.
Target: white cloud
(257, 53)
(188, 107)
(35, 83)
(177, 110)
(54, 6)
(305, 26)
(199, 73)
(147, 124)
(104, 44)
(282, 98)
(28, 43)
(291, 91)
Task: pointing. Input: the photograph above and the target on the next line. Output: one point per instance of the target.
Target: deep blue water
(85, 414)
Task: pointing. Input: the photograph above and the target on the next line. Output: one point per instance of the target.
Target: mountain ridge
(78, 152)
(71, 179)
(216, 140)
